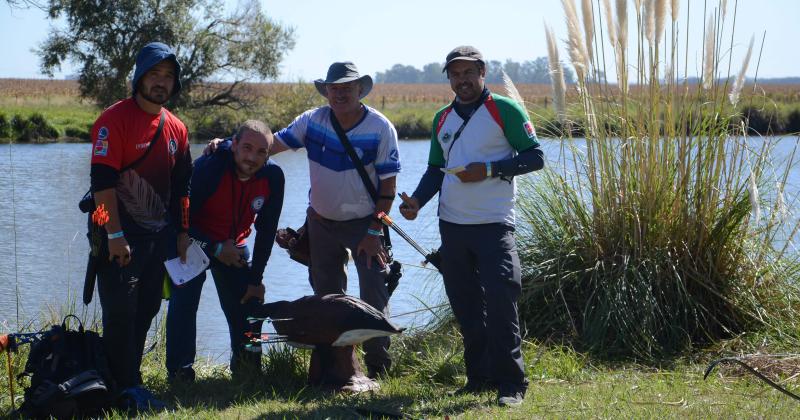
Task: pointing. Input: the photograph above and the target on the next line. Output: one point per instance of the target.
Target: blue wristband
(218, 249)
(488, 169)
(374, 232)
(116, 235)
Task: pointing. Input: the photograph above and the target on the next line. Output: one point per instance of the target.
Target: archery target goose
(336, 320)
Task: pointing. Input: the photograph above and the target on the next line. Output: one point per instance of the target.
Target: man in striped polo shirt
(342, 215)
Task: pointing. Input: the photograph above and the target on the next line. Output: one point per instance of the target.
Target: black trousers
(130, 298)
(481, 274)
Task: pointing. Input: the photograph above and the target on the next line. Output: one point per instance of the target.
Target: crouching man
(231, 190)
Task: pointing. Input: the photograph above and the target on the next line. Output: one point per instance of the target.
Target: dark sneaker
(377, 373)
(474, 388)
(138, 399)
(510, 399)
(182, 375)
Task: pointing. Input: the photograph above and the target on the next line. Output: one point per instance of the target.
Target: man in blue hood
(140, 173)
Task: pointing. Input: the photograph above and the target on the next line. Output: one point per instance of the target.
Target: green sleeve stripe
(436, 154)
(516, 124)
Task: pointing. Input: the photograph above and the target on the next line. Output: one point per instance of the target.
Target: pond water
(44, 248)
(42, 237)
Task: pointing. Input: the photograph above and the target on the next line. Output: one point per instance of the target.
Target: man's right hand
(410, 206)
(212, 146)
(231, 255)
(119, 249)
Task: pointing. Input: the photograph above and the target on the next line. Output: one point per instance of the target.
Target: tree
(25, 4)
(536, 71)
(104, 37)
(514, 70)
(399, 74)
(432, 73)
(494, 72)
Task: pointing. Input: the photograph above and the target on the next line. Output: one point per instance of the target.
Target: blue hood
(152, 54)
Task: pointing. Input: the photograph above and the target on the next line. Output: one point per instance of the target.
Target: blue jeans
(231, 284)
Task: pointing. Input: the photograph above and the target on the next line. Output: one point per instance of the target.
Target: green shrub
(18, 124)
(33, 129)
(277, 110)
(286, 104)
(77, 133)
(792, 125)
(413, 126)
(219, 123)
(762, 121)
(5, 127)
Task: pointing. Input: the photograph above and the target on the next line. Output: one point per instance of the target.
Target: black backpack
(69, 374)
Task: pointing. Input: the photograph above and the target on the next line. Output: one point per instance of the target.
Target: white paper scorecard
(196, 263)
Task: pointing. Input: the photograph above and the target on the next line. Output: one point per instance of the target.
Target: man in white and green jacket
(479, 143)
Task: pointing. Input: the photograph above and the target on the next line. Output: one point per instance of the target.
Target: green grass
(412, 120)
(563, 383)
(73, 119)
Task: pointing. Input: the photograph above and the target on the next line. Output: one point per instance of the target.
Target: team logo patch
(101, 148)
(173, 146)
(529, 130)
(446, 138)
(257, 203)
(394, 156)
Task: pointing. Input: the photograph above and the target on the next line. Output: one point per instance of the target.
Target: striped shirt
(337, 191)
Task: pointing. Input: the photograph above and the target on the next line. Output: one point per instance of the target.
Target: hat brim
(460, 59)
(365, 81)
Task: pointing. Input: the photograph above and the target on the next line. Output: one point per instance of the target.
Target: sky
(377, 34)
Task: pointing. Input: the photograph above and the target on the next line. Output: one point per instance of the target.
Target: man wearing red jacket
(145, 199)
(233, 189)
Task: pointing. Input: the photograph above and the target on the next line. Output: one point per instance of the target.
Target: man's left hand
(372, 247)
(474, 172)
(183, 245)
(254, 291)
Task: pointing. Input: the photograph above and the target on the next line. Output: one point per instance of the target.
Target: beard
(467, 92)
(247, 168)
(156, 95)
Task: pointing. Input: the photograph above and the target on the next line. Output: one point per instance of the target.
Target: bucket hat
(343, 72)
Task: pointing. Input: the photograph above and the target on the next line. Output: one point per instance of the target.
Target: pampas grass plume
(612, 30)
(622, 40)
(754, 199)
(556, 75)
(708, 62)
(588, 27)
(780, 203)
(512, 91)
(661, 16)
(650, 21)
(674, 9)
(622, 23)
(577, 48)
(738, 84)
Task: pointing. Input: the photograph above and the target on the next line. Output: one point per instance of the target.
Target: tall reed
(665, 228)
